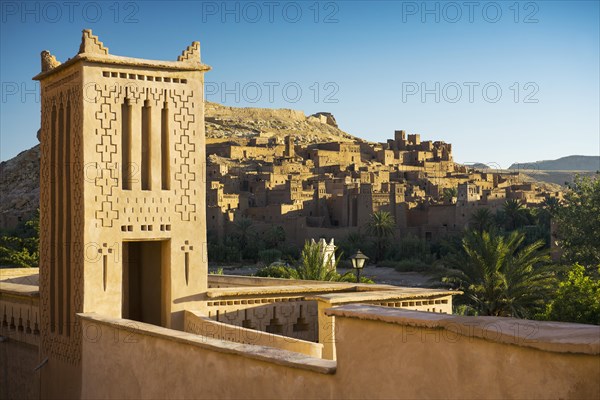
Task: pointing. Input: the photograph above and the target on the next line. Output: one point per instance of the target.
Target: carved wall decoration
(64, 340)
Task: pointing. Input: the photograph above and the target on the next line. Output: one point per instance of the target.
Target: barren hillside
(224, 122)
(19, 187)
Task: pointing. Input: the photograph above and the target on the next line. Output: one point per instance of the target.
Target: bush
(275, 270)
(351, 278)
(223, 253)
(577, 299)
(269, 256)
(20, 248)
(291, 253)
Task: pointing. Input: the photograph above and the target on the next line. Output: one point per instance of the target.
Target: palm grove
(501, 262)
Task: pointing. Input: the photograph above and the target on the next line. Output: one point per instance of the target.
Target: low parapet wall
(19, 305)
(148, 361)
(382, 353)
(200, 325)
(438, 356)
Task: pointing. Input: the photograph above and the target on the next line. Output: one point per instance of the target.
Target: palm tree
(544, 214)
(481, 220)
(274, 236)
(449, 193)
(551, 204)
(515, 214)
(381, 227)
(314, 266)
(244, 229)
(499, 277)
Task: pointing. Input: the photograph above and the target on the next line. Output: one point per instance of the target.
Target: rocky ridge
(19, 187)
(224, 122)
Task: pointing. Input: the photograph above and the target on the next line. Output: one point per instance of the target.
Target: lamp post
(358, 262)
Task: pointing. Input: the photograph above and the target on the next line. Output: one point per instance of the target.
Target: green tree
(381, 228)
(269, 256)
(22, 249)
(577, 299)
(481, 220)
(499, 276)
(274, 237)
(353, 242)
(515, 214)
(449, 193)
(18, 252)
(243, 229)
(551, 204)
(578, 222)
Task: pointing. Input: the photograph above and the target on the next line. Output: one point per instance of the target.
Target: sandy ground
(378, 275)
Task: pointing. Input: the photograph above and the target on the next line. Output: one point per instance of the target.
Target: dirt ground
(378, 275)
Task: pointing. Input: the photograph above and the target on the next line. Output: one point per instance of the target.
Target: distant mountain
(569, 163)
(479, 166)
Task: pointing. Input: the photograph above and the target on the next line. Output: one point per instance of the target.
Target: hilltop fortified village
(330, 186)
(122, 306)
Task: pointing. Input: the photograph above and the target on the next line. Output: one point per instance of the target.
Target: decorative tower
(122, 195)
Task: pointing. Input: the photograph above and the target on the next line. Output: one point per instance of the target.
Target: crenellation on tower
(90, 44)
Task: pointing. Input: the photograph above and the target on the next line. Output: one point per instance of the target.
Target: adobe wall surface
(17, 379)
(153, 365)
(200, 325)
(381, 353)
(452, 357)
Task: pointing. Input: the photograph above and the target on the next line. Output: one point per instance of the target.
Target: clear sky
(503, 82)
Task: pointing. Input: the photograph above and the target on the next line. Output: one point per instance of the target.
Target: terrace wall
(381, 353)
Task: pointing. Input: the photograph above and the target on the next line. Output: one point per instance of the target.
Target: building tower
(122, 196)
(289, 147)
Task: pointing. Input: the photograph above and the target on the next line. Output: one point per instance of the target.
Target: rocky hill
(224, 122)
(569, 163)
(19, 187)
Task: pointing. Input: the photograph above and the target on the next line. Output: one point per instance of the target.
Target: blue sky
(502, 81)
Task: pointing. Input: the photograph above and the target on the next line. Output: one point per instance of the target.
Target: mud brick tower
(122, 184)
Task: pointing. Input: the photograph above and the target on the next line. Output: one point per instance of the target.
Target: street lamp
(358, 262)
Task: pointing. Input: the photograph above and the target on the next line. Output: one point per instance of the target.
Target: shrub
(275, 270)
(223, 253)
(350, 277)
(269, 256)
(577, 299)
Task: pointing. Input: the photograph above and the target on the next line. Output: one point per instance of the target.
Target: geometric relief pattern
(45, 210)
(185, 148)
(64, 347)
(107, 97)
